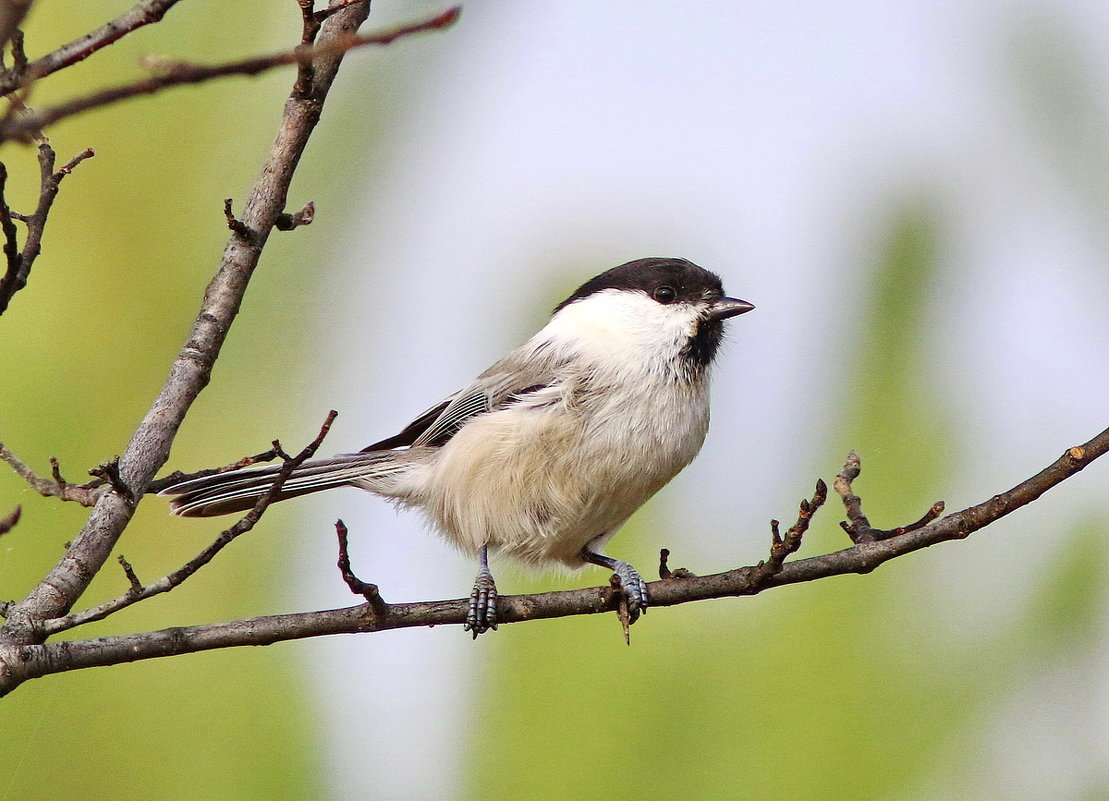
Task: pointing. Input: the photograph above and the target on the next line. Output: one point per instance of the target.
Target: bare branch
(23, 126)
(782, 547)
(356, 585)
(149, 447)
(852, 503)
(8, 521)
(138, 592)
(12, 13)
(55, 486)
(142, 14)
(19, 262)
(32, 661)
(857, 525)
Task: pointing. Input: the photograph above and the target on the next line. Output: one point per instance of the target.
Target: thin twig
(664, 571)
(8, 521)
(11, 236)
(19, 262)
(12, 13)
(857, 525)
(310, 27)
(24, 125)
(355, 584)
(311, 22)
(140, 15)
(782, 547)
(321, 15)
(82, 494)
(233, 223)
(852, 503)
(19, 55)
(132, 578)
(138, 592)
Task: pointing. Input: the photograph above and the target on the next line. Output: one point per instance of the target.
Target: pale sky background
(553, 140)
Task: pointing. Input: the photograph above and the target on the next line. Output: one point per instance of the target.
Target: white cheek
(616, 324)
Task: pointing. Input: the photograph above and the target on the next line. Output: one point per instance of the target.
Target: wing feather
(510, 380)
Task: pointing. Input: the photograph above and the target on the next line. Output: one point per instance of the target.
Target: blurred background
(914, 194)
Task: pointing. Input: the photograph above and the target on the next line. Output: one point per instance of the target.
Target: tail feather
(239, 490)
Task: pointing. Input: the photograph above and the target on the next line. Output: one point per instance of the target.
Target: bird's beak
(728, 307)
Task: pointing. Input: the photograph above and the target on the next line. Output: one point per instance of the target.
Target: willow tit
(549, 451)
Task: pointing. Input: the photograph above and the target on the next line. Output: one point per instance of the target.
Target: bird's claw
(634, 589)
(482, 614)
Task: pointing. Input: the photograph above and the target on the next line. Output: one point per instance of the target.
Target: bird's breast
(544, 476)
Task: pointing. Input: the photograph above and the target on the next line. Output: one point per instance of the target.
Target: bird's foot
(632, 585)
(482, 614)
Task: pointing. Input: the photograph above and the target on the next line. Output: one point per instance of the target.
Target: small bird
(549, 451)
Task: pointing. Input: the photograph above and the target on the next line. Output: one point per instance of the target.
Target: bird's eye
(664, 294)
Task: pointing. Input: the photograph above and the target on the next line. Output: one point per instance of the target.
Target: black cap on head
(686, 280)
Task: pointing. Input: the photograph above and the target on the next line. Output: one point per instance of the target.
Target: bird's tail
(239, 490)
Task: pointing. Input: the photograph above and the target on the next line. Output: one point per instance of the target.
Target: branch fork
(857, 525)
(19, 261)
(782, 547)
(138, 592)
(308, 58)
(56, 486)
(355, 584)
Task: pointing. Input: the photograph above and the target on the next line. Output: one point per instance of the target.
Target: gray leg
(482, 615)
(631, 583)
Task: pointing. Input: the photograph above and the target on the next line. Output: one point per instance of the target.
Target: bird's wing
(411, 432)
(473, 400)
(505, 383)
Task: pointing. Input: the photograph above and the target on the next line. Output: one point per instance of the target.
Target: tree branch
(24, 125)
(148, 449)
(138, 592)
(56, 486)
(8, 521)
(857, 525)
(19, 262)
(35, 660)
(355, 584)
(12, 13)
(143, 13)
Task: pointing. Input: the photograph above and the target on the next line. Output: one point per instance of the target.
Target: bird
(546, 454)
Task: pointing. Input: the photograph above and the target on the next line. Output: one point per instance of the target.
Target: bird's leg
(631, 583)
(482, 615)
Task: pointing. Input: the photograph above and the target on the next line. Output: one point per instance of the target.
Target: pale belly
(538, 485)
